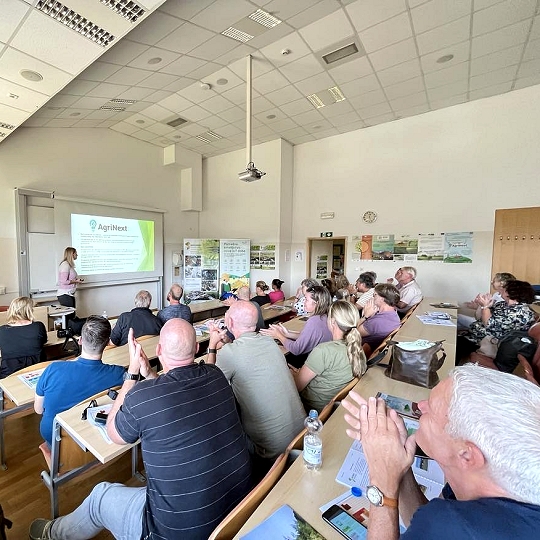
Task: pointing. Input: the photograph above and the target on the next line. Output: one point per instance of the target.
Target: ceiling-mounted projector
(251, 173)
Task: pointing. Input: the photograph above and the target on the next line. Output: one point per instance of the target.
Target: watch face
(369, 216)
(374, 495)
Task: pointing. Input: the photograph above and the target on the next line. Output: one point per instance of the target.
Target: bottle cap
(313, 413)
(356, 491)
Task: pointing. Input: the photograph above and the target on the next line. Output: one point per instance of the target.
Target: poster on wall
(263, 256)
(234, 258)
(458, 247)
(322, 266)
(405, 248)
(201, 266)
(383, 247)
(431, 247)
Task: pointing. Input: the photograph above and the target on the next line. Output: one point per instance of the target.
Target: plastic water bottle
(104, 314)
(312, 453)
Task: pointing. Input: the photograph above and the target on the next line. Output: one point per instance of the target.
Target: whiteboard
(42, 262)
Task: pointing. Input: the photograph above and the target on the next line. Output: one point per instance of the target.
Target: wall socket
(2, 289)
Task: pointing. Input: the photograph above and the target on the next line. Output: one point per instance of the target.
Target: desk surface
(305, 491)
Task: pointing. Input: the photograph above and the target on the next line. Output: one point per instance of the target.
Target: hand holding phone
(344, 523)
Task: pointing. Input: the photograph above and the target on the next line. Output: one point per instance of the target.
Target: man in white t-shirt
(409, 291)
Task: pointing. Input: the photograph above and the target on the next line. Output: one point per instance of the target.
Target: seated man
(409, 291)
(270, 407)
(175, 310)
(483, 428)
(64, 384)
(140, 318)
(194, 451)
(243, 294)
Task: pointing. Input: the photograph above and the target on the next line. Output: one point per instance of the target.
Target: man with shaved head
(175, 310)
(194, 450)
(243, 294)
(270, 407)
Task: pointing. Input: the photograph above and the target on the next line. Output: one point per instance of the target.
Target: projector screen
(112, 245)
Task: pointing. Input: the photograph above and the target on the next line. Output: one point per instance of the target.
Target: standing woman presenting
(67, 278)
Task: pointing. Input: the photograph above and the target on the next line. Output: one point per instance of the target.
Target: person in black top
(22, 338)
(261, 296)
(140, 318)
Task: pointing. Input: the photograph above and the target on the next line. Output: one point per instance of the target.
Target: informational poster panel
(201, 267)
(234, 263)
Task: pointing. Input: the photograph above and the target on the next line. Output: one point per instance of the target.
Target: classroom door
(516, 243)
(323, 257)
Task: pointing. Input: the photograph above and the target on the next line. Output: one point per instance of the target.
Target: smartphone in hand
(344, 523)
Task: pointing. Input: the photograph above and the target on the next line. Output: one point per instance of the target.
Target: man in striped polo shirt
(194, 451)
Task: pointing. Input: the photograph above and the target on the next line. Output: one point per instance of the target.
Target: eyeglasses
(84, 414)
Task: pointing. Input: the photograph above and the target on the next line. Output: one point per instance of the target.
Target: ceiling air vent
(177, 122)
(125, 8)
(123, 101)
(340, 53)
(251, 26)
(336, 56)
(112, 108)
(75, 21)
(6, 126)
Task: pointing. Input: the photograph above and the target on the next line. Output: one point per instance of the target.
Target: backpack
(512, 344)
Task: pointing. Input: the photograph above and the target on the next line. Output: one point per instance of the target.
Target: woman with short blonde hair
(21, 338)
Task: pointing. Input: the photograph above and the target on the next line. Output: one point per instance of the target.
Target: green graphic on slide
(147, 236)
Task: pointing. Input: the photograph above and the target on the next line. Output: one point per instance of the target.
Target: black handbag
(418, 366)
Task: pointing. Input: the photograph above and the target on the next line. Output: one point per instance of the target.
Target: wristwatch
(377, 498)
(131, 376)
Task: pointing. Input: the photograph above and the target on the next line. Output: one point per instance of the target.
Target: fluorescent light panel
(337, 94)
(316, 101)
(236, 34)
(262, 17)
(6, 126)
(125, 8)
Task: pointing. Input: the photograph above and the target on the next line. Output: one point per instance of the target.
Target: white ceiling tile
(442, 36)
(89, 102)
(360, 86)
(128, 76)
(383, 119)
(302, 139)
(493, 78)
(28, 100)
(415, 3)
(374, 110)
(227, 131)
(353, 126)
(241, 51)
(293, 43)
(344, 119)
(308, 118)
(270, 35)
(297, 131)
(284, 95)
(284, 9)
(143, 135)
(412, 111)
(529, 68)
(368, 99)
(223, 74)
(319, 126)
(147, 58)
(502, 14)
(336, 109)
(359, 67)
(326, 133)
(270, 81)
(106, 123)
(176, 103)
(123, 52)
(107, 90)
(160, 129)
(193, 129)
(213, 122)
(275, 116)
(296, 107)
(180, 84)
(261, 104)
(259, 66)
(327, 31)
(401, 72)
(233, 114)
(236, 95)
(183, 65)
(459, 50)
(448, 75)
(205, 70)
(47, 112)
(102, 115)
(406, 88)
(448, 90)
(185, 9)
(61, 100)
(532, 50)
(283, 125)
(124, 127)
(99, 71)
(140, 121)
(138, 106)
(13, 13)
(221, 14)
(489, 91)
(34, 121)
(79, 114)
(79, 87)
(136, 92)
(217, 104)
(195, 113)
(61, 123)
(386, 33)
(322, 81)
(157, 96)
(500, 39)
(406, 102)
(214, 47)
(394, 54)
(158, 113)
(12, 62)
(154, 28)
(185, 38)
(302, 68)
(158, 80)
(12, 116)
(497, 60)
(261, 131)
(481, 4)
(52, 42)
(314, 13)
(535, 30)
(438, 12)
(196, 93)
(371, 12)
(448, 102)
(527, 81)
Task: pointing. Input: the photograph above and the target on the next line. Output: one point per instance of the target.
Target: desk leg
(134, 462)
(3, 465)
(49, 479)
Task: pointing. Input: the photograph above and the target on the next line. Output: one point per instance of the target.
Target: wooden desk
(305, 491)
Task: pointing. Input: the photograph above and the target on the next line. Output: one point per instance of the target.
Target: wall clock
(370, 216)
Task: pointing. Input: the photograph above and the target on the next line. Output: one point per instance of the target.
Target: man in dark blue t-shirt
(194, 450)
(175, 310)
(483, 428)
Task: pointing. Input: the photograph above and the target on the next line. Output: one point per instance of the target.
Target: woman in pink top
(67, 278)
(277, 294)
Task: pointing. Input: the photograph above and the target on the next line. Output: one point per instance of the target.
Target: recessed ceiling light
(222, 82)
(177, 137)
(155, 60)
(75, 114)
(317, 127)
(316, 100)
(337, 94)
(271, 116)
(139, 121)
(445, 58)
(12, 96)
(30, 75)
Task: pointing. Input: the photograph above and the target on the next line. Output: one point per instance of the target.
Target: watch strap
(384, 500)
(131, 376)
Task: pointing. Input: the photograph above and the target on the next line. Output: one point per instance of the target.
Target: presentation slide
(109, 245)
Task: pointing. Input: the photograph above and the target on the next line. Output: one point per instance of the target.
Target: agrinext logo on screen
(107, 228)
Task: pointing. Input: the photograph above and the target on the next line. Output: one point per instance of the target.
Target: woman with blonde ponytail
(332, 365)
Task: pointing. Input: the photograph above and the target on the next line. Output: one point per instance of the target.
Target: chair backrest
(344, 392)
(234, 521)
(525, 370)
(40, 314)
(534, 333)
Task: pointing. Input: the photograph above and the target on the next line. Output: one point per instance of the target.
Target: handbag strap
(376, 360)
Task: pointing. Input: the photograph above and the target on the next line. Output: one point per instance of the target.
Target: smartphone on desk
(344, 523)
